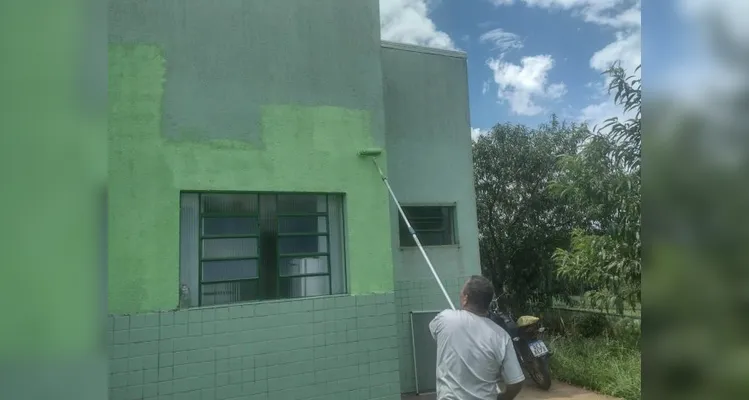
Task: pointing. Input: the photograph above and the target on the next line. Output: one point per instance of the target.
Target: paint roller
(373, 153)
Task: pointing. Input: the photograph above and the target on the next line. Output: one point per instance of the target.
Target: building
(252, 254)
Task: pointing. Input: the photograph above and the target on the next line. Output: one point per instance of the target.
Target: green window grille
(434, 225)
(238, 247)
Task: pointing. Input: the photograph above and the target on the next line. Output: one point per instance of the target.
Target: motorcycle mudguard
(526, 320)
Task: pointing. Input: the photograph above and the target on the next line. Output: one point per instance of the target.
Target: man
(474, 354)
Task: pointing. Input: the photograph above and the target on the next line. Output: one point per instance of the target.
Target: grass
(604, 365)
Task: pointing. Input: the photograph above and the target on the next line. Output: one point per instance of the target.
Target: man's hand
(511, 391)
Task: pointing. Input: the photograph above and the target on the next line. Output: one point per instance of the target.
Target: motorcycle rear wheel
(540, 373)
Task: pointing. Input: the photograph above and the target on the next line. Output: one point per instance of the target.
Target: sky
(528, 59)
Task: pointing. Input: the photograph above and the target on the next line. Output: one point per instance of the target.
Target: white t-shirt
(474, 354)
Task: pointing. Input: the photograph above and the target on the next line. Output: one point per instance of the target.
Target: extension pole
(413, 234)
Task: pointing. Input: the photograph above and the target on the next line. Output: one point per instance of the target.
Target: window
(237, 247)
(434, 225)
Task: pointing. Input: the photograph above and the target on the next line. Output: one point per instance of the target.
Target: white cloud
(477, 132)
(524, 85)
(596, 114)
(627, 48)
(502, 40)
(407, 21)
(485, 87)
(624, 17)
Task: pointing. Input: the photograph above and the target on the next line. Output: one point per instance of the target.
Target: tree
(604, 180)
(521, 222)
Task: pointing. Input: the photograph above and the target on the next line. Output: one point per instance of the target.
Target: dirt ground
(559, 391)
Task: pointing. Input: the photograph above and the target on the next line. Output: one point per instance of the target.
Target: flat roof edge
(423, 49)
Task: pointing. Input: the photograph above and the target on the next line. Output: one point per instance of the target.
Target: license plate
(538, 348)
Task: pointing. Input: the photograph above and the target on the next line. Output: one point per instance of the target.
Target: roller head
(372, 152)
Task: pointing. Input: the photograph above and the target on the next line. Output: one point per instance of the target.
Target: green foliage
(521, 222)
(591, 325)
(603, 180)
(602, 364)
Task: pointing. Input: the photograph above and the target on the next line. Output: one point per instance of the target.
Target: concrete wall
(239, 95)
(430, 162)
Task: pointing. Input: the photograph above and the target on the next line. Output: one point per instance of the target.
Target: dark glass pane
(303, 265)
(424, 212)
(427, 223)
(301, 203)
(229, 226)
(229, 270)
(433, 238)
(310, 224)
(229, 248)
(304, 286)
(302, 244)
(230, 292)
(431, 230)
(229, 203)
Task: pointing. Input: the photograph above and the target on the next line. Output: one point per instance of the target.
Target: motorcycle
(526, 333)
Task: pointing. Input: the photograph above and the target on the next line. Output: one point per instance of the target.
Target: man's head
(477, 294)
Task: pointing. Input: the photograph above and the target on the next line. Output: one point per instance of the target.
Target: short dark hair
(479, 293)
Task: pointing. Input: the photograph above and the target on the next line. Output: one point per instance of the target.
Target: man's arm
(437, 323)
(511, 391)
(512, 374)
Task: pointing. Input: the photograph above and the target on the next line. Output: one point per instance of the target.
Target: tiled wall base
(342, 347)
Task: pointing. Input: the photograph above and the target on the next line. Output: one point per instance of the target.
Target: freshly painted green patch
(304, 149)
(143, 205)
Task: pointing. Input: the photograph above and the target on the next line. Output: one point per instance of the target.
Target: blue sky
(527, 59)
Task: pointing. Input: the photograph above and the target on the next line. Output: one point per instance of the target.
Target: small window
(434, 225)
(238, 247)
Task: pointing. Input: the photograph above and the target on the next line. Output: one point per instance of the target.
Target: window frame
(195, 278)
(453, 225)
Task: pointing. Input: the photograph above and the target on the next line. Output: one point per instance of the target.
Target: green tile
(248, 375)
(209, 315)
(118, 351)
(209, 328)
(208, 394)
(229, 391)
(121, 337)
(180, 317)
(118, 366)
(151, 375)
(118, 380)
(165, 388)
(180, 357)
(166, 346)
(166, 359)
(193, 395)
(166, 318)
(234, 312)
(235, 377)
(222, 314)
(221, 352)
(134, 392)
(143, 349)
(194, 329)
(253, 388)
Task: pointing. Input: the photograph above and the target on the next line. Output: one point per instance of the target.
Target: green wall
(429, 151)
(196, 103)
(430, 161)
